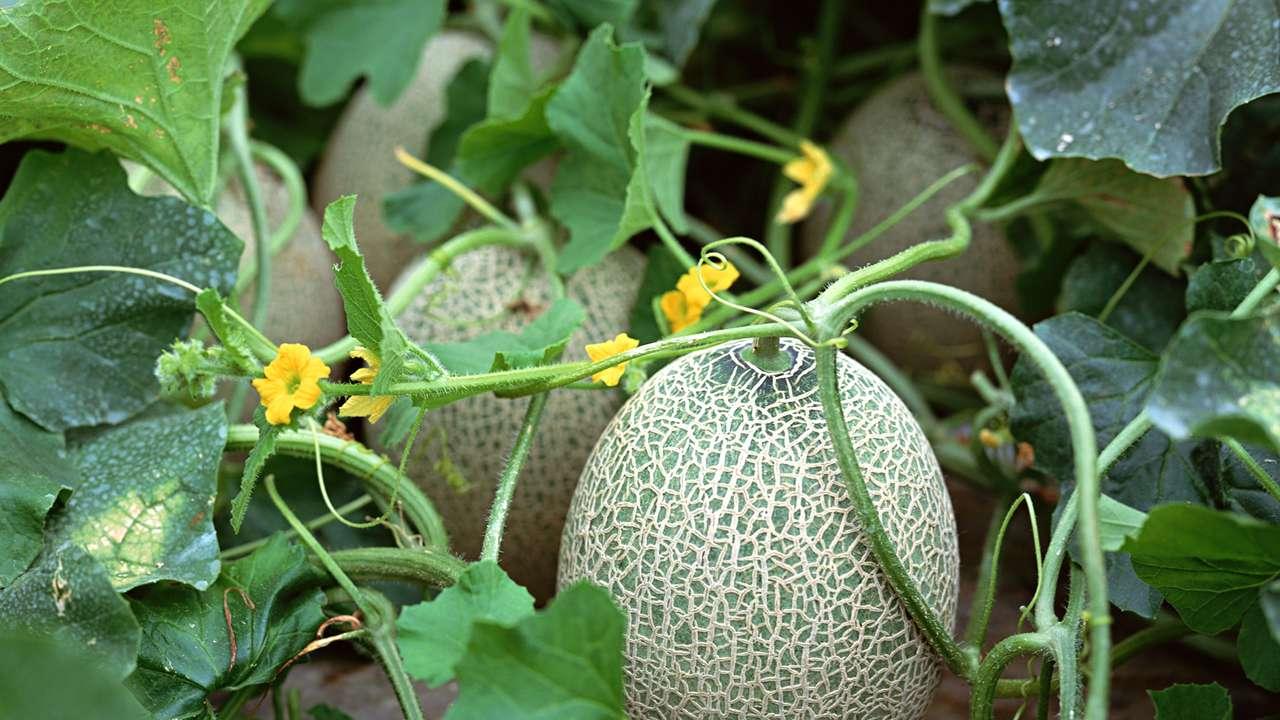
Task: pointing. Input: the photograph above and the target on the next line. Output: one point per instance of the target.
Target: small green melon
(898, 144)
(497, 288)
(712, 508)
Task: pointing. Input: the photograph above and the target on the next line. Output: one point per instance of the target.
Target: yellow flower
(684, 305)
(812, 170)
(607, 349)
(292, 381)
(370, 406)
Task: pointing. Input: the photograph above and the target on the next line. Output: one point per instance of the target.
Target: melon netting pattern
(714, 511)
(497, 288)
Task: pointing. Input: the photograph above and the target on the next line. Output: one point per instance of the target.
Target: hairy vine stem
(1084, 502)
(379, 475)
(510, 475)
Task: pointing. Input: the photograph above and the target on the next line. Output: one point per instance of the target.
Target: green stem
(312, 524)
(510, 475)
(750, 148)
(944, 98)
(881, 545)
(296, 188)
(986, 680)
(380, 477)
(1083, 502)
(725, 108)
(321, 555)
(529, 381)
(424, 272)
(419, 566)
(817, 72)
(458, 188)
(382, 640)
(839, 227)
(1259, 475)
(755, 271)
(985, 594)
(1045, 697)
(1011, 209)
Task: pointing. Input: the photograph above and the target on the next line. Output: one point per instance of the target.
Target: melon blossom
(292, 381)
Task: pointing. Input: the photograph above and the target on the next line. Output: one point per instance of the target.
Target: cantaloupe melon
(502, 289)
(360, 156)
(898, 143)
(712, 508)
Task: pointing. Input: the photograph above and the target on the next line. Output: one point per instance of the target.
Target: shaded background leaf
(34, 471)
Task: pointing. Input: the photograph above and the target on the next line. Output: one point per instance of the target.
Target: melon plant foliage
(676, 329)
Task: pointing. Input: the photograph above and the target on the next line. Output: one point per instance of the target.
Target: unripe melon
(898, 144)
(497, 288)
(305, 305)
(360, 157)
(712, 508)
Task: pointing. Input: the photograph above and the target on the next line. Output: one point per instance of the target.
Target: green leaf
(433, 635)
(68, 596)
(185, 652)
(145, 507)
(1259, 651)
(34, 682)
(1192, 702)
(541, 341)
(1221, 284)
(360, 297)
(1241, 490)
(564, 662)
(1150, 83)
(381, 40)
(424, 210)
(1114, 375)
(1265, 219)
(1151, 216)
(1220, 377)
(680, 23)
(1118, 522)
(141, 78)
(592, 113)
(1209, 564)
(465, 103)
(590, 13)
(1270, 601)
(1150, 309)
(512, 83)
(258, 456)
(80, 349)
(214, 311)
(492, 153)
(665, 156)
(34, 472)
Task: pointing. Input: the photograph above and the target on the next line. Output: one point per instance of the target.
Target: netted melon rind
(712, 508)
(498, 288)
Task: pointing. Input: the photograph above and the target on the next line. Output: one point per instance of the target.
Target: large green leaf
(186, 649)
(493, 152)
(145, 506)
(680, 23)
(1221, 284)
(68, 596)
(513, 82)
(1270, 601)
(590, 13)
(1192, 702)
(1115, 376)
(378, 39)
(43, 678)
(80, 349)
(1259, 651)
(1210, 564)
(1150, 215)
(34, 471)
(1149, 83)
(592, 113)
(139, 77)
(564, 662)
(433, 635)
(1150, 307)
(540, 341)
(1220, 377)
